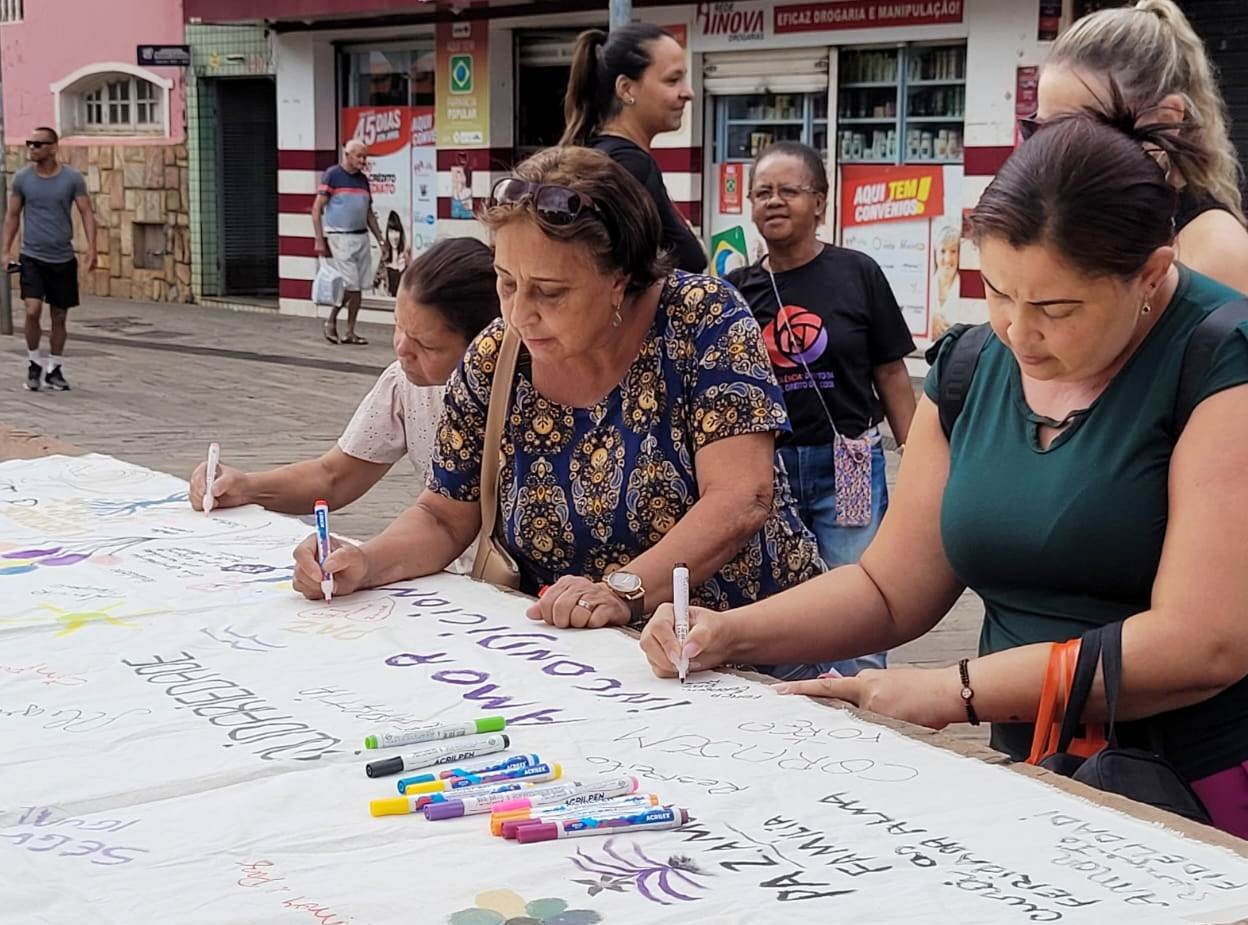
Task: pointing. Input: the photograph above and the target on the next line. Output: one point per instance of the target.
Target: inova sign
(730, 25)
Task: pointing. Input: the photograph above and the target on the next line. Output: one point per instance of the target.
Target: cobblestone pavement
(154, 384)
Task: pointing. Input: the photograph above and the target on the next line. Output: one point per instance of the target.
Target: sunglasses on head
(558, 205)
(1028, 126)
(39, 144)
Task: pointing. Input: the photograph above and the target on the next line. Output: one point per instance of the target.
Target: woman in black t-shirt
(624, 89)
(836, 346)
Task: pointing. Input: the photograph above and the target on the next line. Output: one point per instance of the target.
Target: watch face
(624, 582)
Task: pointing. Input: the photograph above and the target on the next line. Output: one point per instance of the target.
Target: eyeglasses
(1028, 126)
(558, 205)
(39, 144)
(786, 193)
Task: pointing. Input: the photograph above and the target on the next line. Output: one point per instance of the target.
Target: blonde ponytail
(1151, 51)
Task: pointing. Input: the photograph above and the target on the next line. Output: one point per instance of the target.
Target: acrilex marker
(545, 795)
(438, 754)
(533, 774)
(433, 732)
(667, 817)
(506, 826)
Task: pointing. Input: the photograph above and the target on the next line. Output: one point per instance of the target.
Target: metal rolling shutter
(1223, 24)
(248, 172)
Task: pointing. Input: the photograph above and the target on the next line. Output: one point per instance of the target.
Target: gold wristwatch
(628, 588)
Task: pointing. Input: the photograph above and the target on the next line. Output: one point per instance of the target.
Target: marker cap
(537, 831)
(512, 826)
(451, 809)
(384, 767)
(491, 724)
(371, 742)
(390, 806)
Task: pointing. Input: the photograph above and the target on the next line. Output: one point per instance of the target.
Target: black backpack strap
(1198, 356)
(1080, 687)
(957, 370)
(1111, 675)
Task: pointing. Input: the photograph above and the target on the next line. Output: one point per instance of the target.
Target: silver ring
(581, 603)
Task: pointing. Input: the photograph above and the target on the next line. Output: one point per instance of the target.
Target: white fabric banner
(181, 738)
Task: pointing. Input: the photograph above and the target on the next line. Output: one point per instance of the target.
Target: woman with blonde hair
(1151, 54)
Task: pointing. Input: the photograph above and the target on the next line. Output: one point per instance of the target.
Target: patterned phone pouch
(851, 459)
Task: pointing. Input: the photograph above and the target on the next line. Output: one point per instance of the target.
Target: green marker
(432, 732)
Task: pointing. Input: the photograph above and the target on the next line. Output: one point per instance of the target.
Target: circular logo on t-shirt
(797, 335)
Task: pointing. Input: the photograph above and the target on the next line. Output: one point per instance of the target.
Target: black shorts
(54, 283)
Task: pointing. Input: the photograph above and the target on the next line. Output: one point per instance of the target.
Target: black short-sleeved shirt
(844, 321)
(686, 250)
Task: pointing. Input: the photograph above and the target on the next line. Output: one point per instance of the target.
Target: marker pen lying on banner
(432, 732)
(533, 774)
(321, 510)
(507, 764)
(680, 604)
(414, 803)
(666, 817)
(438, 754)
(549, 796)
(210, 475)
(507, 825)
(454, 805)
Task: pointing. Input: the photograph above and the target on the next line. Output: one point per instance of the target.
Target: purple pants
(1225, 795)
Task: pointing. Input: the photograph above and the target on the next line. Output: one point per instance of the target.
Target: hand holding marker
(321, 510)
(210, 475)
(680, 604)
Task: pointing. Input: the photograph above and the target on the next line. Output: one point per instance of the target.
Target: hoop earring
(1147, 307)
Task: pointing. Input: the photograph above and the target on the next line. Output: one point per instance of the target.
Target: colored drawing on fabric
(728, 251)
(74, 620)
(500, 907)
(620, 868)
(107, 508)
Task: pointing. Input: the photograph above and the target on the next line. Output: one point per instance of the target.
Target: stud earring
(629, 101)
(1147, 307)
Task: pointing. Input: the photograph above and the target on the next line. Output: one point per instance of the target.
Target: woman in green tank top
(1067, 495)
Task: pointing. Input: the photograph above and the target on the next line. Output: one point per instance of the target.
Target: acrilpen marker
(666, 817)
(507, 764)
(414, 803)
(321, 510)
(507, 825)
(532, 774)
(543, 795)
(680, 604)
(438, 754)
(432, 732)
(608, 786)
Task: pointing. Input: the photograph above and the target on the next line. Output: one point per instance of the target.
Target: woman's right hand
(229, 489)
(706, 646)
(346, 563)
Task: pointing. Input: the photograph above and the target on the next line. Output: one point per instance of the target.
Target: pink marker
(607, 786)
(664, 817)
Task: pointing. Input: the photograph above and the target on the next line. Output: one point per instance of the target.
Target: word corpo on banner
(870, 195)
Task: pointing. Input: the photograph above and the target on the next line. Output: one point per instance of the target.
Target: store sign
(734, 23)
(731, 194)
(462, 87)
(864, 14)
(870, 195)
(164, 55)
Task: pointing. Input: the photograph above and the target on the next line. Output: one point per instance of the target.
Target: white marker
(321, 510)
(680, 603)
(210, 475)
(570, 792)
(438, 754)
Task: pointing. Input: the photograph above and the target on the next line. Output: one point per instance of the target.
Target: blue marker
(321, 510)
(516, 761)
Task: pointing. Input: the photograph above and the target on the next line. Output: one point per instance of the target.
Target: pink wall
(57, 38)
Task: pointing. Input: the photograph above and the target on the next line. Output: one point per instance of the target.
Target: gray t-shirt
(47, 212)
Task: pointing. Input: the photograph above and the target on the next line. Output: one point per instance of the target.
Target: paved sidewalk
(154, 384)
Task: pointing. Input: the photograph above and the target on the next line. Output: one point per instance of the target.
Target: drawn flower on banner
(503, 907)
(622, 868)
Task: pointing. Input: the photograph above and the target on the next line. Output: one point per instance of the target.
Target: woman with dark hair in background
(837, 347)
(624, 89)
(1071, 492)
(445, 298)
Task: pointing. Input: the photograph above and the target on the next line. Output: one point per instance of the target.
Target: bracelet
(966, 693)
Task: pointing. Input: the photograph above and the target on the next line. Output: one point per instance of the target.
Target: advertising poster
(387, 131)
(908, 219)
(462, 88)
(731, 194)
(424, 180)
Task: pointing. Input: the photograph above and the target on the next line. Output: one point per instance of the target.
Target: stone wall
(128, 184)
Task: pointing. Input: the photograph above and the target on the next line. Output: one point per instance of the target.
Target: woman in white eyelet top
(445, 298)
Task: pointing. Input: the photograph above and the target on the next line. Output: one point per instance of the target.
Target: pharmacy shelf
(867, 120)
(866, 84)
(958, 119)
(935, 83)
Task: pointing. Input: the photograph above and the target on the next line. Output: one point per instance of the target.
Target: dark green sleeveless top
(1061, 540)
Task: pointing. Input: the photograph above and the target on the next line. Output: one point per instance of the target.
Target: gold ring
(581, 603)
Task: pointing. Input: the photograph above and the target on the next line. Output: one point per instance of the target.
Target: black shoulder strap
(1198, 357)
(957, 371)
(1080, 687)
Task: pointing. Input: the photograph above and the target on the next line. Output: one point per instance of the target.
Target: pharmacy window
(113, 103)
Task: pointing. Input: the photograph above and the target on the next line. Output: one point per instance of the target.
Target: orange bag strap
(1052, 700)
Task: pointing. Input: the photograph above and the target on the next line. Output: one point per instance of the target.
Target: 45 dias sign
(387, 131)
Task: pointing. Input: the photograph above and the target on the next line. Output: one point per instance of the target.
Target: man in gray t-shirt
(44, 195)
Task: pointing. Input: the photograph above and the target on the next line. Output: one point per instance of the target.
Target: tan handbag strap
(495, 418)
